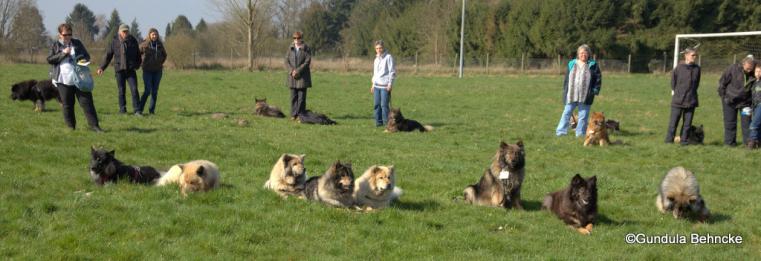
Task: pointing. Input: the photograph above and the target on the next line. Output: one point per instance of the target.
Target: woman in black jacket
(684, 95)
(64, 55)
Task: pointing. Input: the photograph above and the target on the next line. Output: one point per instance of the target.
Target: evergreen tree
(82, 21)
(201, 26)
(113, 26)
(168, 30)
(182, 25)
(134, 30)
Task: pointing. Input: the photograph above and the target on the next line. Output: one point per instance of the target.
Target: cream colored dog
(288, 176)
(375, 189)
(197, 175)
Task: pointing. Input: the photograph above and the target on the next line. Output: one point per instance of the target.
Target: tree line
(428, 29)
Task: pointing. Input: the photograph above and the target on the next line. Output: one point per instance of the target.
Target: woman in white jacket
(384, 73)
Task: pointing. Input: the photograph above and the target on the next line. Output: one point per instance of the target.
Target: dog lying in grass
(335, 187)
(500, 185)
(576, 205)
(104, 168)
(397, 122)
(288, 176)
(197, 175)
(376, 188)
(264, 109)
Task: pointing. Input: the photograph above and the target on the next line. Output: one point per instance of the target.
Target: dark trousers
(677, 113)
(151, 82)
(128, 76)
(298, 101)
(730, 125)
(68, 92)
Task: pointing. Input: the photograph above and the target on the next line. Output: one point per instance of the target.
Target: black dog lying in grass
(105, 168)
(310, 117)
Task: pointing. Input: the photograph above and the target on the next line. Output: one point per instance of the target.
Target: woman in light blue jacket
(581, 84)
(384, 73)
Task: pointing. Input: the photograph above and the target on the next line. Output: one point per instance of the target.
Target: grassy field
(49, 209)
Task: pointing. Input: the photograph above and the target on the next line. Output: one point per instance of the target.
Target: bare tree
(288, 16)
(249, 16)
(27, 32)
(8, 9)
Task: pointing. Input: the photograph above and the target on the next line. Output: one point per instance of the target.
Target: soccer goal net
(719, 49)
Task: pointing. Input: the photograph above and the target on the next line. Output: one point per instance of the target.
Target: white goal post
(676, 42)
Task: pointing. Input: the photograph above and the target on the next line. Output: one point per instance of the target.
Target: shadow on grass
(140, 130)
(354, 117)
(630, 133)
(419, 206)
(437, 124)
(226, 186)
(718, 218)
(529, 205)
(210, 114)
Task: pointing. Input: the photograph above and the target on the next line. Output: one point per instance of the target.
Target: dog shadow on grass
(419, 206)
(718, 218)
(140, 130)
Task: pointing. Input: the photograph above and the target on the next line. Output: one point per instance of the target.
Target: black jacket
(57, 56)
(300, 63)
(153, 58)
(685, 80)
(126, 54)
(734, 87)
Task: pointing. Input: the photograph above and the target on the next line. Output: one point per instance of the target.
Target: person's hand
(389, 89)
(100, 72)
(372, 89)
(293, 73)
(67, 50)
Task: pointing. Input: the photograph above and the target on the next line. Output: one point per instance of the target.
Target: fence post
(231, 58)
(416, 52)
(734, 60)
(454, 66)
(487, 63)
(664, 62)
(523, 57)
(629, 64)
(699, 57)
(557, 65)
(194, 59)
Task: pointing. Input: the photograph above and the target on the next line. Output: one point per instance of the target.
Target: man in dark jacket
(297, 62)
(126, 53)
(684, 95)
(734, 91)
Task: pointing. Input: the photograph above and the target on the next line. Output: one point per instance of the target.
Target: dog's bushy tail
(396, 193)
(172, 176)
(428, 127)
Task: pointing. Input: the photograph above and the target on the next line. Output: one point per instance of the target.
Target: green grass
(46, 214)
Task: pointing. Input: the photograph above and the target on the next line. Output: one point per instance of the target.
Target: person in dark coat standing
(684, 95)
(297, 62)
(154, 55)
(125, 52)
(65, 53)
(734, 90)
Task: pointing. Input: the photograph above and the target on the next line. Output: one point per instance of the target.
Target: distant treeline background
(500, 35)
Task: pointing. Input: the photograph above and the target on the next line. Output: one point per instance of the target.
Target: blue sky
(149, 13)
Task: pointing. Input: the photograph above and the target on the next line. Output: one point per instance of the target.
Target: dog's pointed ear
(112, 153)
(502, 144)
(200, 171)
(92, 149)
(347, 164)
(592, 182)
(576, 180)
(302, 157)
(182, 166)
(286, 158)
(391, 168)
(520, 143)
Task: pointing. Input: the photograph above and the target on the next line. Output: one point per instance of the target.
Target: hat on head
(123, 27)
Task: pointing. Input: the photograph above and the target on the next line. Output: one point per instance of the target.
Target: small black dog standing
(104, 167)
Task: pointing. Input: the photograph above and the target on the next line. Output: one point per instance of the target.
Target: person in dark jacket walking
(755, 123)
(685, 80)
(582, 82)
(64, 55)
(125, 52)
(153, 55)
(734, 90)
(297, 62)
